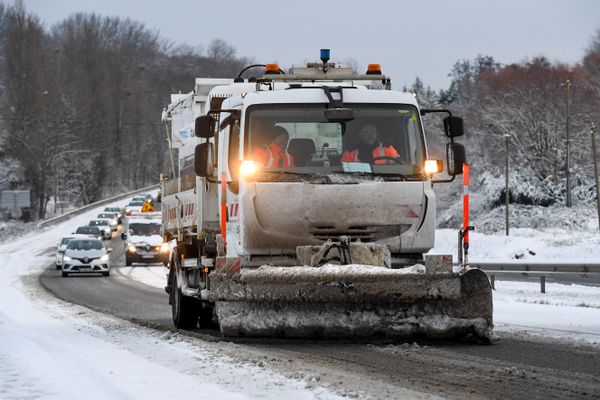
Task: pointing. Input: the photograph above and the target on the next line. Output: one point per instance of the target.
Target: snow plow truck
(301, 204)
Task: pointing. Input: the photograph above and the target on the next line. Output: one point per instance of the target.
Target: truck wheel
(128, 261)
(185, 314)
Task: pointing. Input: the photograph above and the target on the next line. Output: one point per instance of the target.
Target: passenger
(275, 155)
(369, 148)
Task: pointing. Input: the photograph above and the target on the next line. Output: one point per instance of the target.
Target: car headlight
(67, 258)
(164, 248)
(113, 221)
(104, 257)
(107, 230)
(132, 249)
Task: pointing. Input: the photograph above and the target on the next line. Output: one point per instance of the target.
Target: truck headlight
(433, 166)
(248, 168)
(132, 249)
(164, 248)
(104, 257)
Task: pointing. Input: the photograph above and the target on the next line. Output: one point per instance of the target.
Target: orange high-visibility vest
(379, 151)
(272, 156)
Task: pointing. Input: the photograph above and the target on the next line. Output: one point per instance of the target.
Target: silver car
(85, 255)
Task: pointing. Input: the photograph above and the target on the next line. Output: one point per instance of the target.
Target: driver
(368, 148)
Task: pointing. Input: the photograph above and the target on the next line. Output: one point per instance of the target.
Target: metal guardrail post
(493, 281)
(543, 283)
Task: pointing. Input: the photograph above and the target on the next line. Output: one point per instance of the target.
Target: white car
(90, 230)
(118, 211)
(63, 245)
(134, 207)
(112, 219)
(85, 255)
(104, 225)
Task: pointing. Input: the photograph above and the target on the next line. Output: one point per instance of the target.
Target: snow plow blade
(352, 301)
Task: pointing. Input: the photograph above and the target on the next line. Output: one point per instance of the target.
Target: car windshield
(88, 230)
(138, 229)
(98, 222)
(136, 203)
(85, 245)
(383, 138)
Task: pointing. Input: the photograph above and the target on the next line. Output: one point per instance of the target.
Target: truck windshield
(144, 229)
(382, 138)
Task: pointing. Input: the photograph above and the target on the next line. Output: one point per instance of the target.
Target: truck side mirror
(455, 158)
(204, 127)
(203, 160)
(453, 126)
(123, 236)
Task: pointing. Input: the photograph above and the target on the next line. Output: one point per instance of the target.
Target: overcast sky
(408, 38)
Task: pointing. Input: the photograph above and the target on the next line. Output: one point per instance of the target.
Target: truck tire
(183, 308)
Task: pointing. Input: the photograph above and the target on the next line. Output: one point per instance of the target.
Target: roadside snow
(523, 244)
(568, 312)
(55, 350)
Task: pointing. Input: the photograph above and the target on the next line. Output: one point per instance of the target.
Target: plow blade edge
(352, 301)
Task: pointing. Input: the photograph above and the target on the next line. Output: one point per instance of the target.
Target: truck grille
(363, 233)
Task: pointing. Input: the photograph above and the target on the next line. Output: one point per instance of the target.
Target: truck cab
(324, 179)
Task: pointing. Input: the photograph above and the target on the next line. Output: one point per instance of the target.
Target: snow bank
(56, 350)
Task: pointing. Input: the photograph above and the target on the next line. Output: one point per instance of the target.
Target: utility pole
(568, 163)
(595, 157)
(506, 192)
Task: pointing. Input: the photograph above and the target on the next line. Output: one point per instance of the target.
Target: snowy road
(515, 367)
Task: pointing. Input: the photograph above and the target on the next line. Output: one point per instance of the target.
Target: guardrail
(572, 268)
(541, 269)
(67, 215)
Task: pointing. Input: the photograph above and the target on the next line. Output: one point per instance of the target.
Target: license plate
(84, 269)
(148, 256)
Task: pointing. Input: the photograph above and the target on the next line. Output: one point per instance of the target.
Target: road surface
(512, 368)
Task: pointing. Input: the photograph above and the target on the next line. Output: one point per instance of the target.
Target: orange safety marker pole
(466, 227)
(224, 206)
(466, 204)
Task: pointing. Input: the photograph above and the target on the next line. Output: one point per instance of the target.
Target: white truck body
(276, 179)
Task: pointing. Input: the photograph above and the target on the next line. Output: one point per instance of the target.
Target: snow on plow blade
(352, 301)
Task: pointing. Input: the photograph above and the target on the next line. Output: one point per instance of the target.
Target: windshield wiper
(284, 171)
